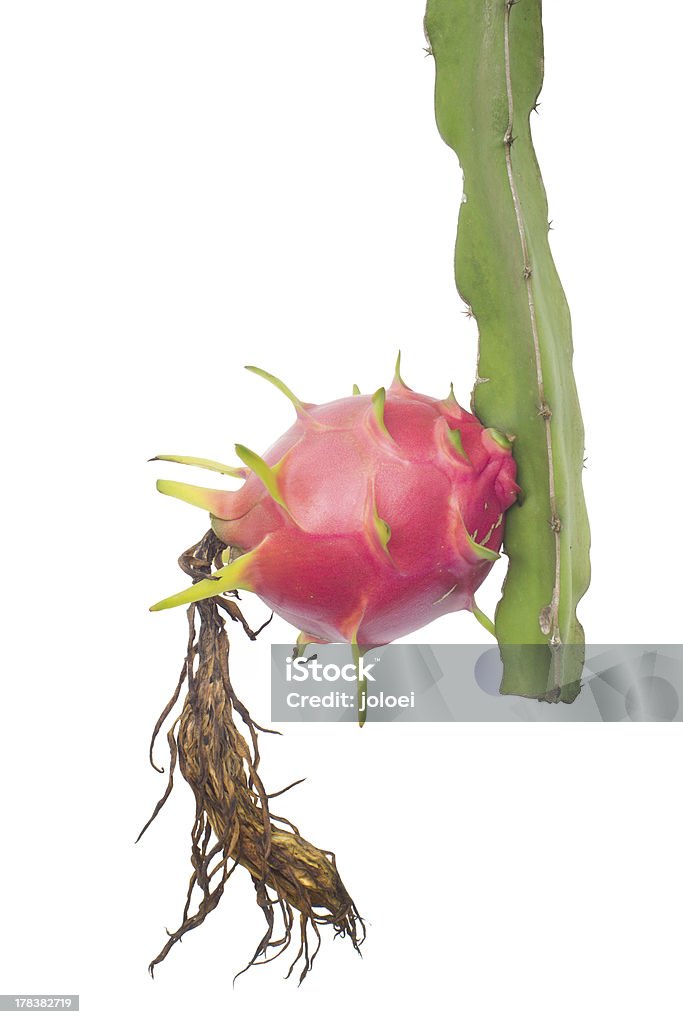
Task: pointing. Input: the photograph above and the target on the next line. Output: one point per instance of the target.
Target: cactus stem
(544, 619)
(489, 72)
(546, 414)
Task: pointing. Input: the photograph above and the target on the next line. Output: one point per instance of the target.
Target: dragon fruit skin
(370, 517)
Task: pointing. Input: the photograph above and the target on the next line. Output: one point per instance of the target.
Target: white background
(187, 187)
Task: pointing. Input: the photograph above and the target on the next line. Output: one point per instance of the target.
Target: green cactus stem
(489, 71)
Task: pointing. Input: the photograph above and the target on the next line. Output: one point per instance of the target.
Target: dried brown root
(233, 822)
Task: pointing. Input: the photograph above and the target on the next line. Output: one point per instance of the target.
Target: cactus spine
(489, 71)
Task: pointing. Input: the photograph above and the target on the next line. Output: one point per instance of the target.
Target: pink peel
(369, 518)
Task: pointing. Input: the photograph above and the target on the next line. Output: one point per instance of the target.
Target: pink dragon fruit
(370, 517)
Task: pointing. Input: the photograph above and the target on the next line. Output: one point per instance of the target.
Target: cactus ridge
(489, 61)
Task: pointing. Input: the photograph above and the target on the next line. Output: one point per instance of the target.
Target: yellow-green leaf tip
(378, 401)
(230, 577)
(482, 551)
(383, 530)
(216, 467)
(198, 592)
(201, 497)
(456, 440)
(397, 373)
(266, 474)
(276, 382)
(501, 440)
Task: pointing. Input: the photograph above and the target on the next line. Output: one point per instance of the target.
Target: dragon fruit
(370, 517)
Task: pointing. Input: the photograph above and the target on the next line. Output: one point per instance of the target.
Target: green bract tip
(382, 529)
(231, 577)
(276, 382)
(397, 373)
(201, 497)
(499, 438)
(482, 551)
(215, 467)
(266, 474)
(378, 400)
(456, 440)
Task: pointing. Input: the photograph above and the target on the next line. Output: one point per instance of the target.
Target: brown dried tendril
(233, 821)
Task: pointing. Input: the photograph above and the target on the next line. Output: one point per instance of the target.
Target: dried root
(233, 822)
